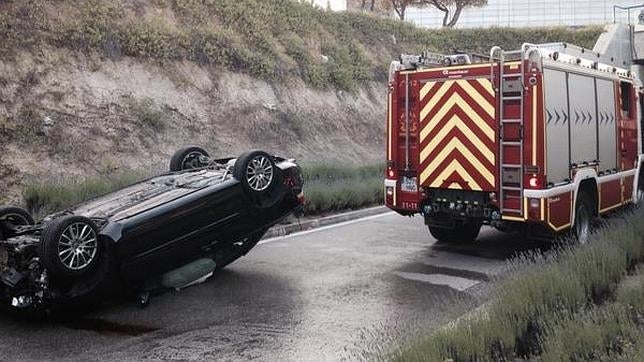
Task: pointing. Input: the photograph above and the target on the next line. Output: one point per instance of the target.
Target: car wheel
(583, 219)
(10, 217)
(70, 246)
(188, 158)
(259, 177)
(465, 233)
(238, 249)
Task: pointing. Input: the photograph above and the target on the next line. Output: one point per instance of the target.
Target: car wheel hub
(192, 160)
(259, 173)
(77, 246)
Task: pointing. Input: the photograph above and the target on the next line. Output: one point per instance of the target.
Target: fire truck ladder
(510, 91)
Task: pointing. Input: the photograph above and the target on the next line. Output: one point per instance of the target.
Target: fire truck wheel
(583, 219)
(465, 233)
(640, 188)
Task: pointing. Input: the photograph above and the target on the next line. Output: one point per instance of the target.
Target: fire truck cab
(547, 137)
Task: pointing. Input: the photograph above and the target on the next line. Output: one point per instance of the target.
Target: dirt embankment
(76, 116)
(92, 87)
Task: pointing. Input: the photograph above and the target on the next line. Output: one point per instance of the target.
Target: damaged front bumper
(23, 280)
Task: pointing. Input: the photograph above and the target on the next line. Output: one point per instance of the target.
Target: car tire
(188, 158)
(70, 246)
(14, 216)
(583, 219)
(465, 233)
(259, 177)
(236, 250)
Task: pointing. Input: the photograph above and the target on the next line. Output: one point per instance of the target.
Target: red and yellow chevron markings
(458, 142)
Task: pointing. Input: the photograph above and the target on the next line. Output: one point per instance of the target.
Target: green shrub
(631, 294)
(42, 198)
(149, 40)
(547, 306)
(329, 188)
(601, 334)
(267, 39)
(218, 46)
(148, 114)
(93, 28)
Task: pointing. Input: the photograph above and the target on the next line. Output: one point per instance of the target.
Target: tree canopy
(451, 9)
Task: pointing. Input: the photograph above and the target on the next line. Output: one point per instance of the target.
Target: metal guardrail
(627, 9)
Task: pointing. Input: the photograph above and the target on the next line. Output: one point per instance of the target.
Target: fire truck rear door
(458, 134)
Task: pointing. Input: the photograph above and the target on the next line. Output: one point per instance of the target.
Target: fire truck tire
(640, 187)
(465, 233)
(583, 218)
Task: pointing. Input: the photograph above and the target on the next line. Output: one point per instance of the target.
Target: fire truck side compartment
(580, 123)
(583, 127)
(607, 124)
(556, 106)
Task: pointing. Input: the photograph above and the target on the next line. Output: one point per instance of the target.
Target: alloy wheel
(77, 246)
(259, 173)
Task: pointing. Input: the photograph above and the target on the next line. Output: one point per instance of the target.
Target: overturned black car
(203, 209)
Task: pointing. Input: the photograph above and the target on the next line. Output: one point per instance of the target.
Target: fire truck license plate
(409, 184)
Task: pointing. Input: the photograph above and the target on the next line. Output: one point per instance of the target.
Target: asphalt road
(340, 292)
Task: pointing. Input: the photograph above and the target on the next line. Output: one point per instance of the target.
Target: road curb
(283, 230)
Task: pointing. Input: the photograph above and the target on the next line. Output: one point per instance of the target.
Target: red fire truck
(544, 138)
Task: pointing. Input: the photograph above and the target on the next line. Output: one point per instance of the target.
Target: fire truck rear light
(391, 174)
(534, 182)
(390, 191)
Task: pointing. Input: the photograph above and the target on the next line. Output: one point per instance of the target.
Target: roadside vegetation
(277, 40)
(43, 198)
(338, 188)
(327, 188)
(573, 303)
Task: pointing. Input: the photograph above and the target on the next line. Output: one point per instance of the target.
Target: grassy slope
(274, 40)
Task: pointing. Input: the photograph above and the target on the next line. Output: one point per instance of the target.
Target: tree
(370, 7)
(400, 6)
(373, 6)
(451, 8)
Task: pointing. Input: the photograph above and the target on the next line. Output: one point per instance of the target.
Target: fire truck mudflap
(535, 139)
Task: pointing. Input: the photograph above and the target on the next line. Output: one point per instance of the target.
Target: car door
(179, 231)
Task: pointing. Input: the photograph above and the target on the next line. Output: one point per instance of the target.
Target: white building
(535, 13)
(335, 5)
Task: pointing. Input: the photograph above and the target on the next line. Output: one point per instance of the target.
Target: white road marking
(305, 232)
(458, 283)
